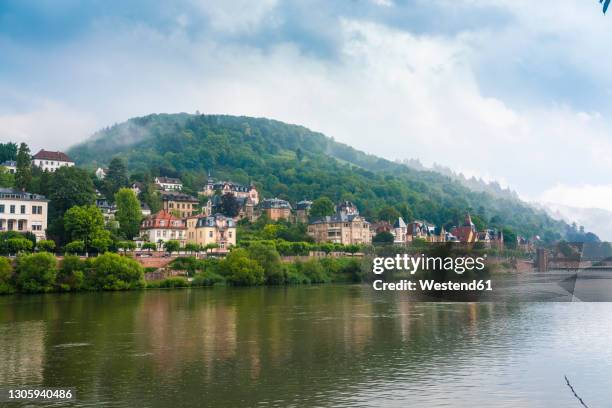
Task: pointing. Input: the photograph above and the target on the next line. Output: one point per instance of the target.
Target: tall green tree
(85, 223)
(388, 214)
(68, 187)
(116, 178)
(128, 212)
(321, 207)
(23, 173)
(229, 205)
(8, 151)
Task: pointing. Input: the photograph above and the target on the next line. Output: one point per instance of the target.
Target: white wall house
(51, 161)
(169, 183)
(23, 212)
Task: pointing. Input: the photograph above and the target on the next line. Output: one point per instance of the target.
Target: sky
(509, 90)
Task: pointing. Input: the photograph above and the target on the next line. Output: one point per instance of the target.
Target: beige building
(180, 204)
(276, 209)
(23, 212)
(51, 161)
(162, 227)
(224, 187)
(302, 211)
(345, 227)
(214, 229)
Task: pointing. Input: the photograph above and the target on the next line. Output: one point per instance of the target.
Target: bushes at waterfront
(36, 272)
(115, 272)
(40, 272)
(6, 272)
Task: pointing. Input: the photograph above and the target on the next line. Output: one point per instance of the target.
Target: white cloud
(581, 196)
(236, 15)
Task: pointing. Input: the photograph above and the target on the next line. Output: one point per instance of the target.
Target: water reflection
(310, 346)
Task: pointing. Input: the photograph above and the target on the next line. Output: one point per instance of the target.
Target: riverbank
(260, 265)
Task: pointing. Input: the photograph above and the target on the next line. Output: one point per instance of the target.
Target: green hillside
(294, 163)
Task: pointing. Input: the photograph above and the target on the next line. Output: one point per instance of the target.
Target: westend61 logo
(404, 263)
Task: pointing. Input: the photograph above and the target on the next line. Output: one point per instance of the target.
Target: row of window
(12, 209)
(19, 225)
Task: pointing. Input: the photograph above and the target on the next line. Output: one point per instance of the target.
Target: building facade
(345, 227)
(276, 209)
(302, 211)
(182, 205)
(215, 229)
(10, 165)
(163, 227)
(466, 232)
(51, 161)
(237, 190)
(23, 212)
(168, 183)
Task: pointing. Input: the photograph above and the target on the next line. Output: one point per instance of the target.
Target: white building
(169, 183)
(101, 173)
(163, 227)
(51, 161)
(23, 212)
(11, 166)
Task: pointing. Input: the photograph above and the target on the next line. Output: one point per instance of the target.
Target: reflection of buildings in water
(177, 331)
(217, 325)
(358, 320)
(21, 362)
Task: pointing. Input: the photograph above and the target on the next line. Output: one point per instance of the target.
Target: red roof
(48, 155)
(163, 220)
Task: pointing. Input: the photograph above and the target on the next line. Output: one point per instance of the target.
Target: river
(330, 345)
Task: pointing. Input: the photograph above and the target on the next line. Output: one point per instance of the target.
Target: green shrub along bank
(42, 272)
(261, 265)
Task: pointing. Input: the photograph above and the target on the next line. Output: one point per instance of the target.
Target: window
(36, 227)
(11, 225)
(37, 209)
(210, 234)
(23, 209)
(12, 209)
(1, 208)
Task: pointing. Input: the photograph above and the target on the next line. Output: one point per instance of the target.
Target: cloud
(581, 196)
(507, 90)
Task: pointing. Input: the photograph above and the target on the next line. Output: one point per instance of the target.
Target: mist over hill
(295, 163)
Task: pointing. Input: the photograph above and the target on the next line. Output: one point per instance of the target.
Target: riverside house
(51, 161)
(215, 229)
(162, 227)
(181, 204)
(23, 212)
(168, 184)
(345, 227)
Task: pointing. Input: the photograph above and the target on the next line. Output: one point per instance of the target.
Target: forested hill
(294, 163)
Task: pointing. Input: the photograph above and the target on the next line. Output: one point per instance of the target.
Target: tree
(229, 205)
(69, 187)
(388, 214)
(7, 179)
(149, 246)
(23, 173)
(116, 178)
(8, 152)
(322, 207)
(71, 273)
(6, 277)
(85, 223)
(115, 272)
(17, 245)
(45, 245)
(269, 259)
(75, 247)
(240, 270)
(172, 245)
(128, 213)
(36, 272)
(192, 247)
(383, 237)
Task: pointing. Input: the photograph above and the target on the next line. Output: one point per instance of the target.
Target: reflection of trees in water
(233, 347)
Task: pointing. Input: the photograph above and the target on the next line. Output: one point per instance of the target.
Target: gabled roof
(49, 155)
(399, 223)
(12, 194)
(163, 219)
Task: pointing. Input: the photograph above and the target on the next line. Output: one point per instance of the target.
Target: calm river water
(305, 346)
